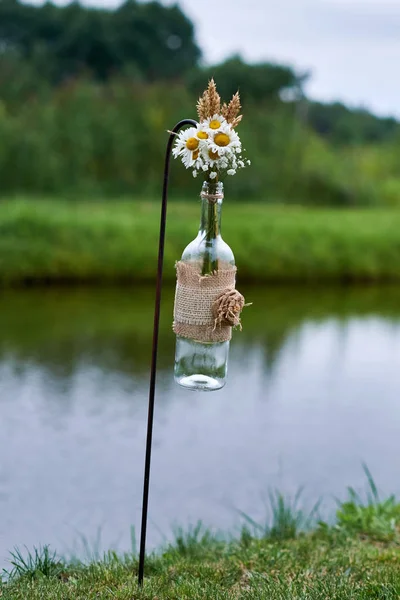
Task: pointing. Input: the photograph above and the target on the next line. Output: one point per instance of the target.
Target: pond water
(313, 392)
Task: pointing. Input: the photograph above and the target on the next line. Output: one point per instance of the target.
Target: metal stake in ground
(142, 554)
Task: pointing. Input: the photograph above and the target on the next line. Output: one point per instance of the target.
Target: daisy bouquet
(213, 148)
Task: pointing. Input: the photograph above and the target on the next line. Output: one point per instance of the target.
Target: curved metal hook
(150, 417)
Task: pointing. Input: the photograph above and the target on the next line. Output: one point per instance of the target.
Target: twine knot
(212, 197)
(227, 308)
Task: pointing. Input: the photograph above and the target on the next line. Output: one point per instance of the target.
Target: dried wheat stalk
(209, 104)
(231, 111)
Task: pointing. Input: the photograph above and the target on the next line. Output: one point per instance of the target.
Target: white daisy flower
(199, 162)
(202, 132)
(213, 175)
(210, 157)
(225, 141)
(187, 146)
(214, 123)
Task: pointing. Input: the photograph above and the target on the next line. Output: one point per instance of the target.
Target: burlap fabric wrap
(197, 301)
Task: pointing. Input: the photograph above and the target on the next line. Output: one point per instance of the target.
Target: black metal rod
(142, 554)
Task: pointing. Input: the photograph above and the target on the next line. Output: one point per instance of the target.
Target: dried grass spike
(214, 99)
(224, 110)
(233, 109)
(236, 121)
(209, 104)
(202, 107)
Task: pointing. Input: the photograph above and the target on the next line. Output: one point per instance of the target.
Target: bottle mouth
(212, 191)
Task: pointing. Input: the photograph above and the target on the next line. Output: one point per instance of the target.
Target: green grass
(285, 519)
(376, 518)
(343, 561)
(307, 568)
(41, 563)
(58, 241)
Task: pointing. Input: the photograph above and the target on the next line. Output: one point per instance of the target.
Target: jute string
(211, 197)
(206, 306)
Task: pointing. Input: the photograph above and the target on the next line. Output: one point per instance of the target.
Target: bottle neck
(212, 195)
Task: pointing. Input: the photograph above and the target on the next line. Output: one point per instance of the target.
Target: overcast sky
(352, 47)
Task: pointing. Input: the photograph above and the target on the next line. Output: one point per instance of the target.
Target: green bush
(109, 139)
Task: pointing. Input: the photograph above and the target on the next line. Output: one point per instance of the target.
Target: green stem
(210, 262)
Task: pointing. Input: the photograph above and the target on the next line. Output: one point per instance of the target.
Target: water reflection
(313, 391)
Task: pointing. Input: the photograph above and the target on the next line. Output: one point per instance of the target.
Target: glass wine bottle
(201, 365)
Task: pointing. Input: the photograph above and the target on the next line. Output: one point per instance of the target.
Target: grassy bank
(304, 569)
(358, 557)
(56, 241)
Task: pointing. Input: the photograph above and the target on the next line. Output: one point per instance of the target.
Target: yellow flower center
(213, 155)
(192, 144)
(195, 154)
(222, 139)
(214, 124)
(202, 135)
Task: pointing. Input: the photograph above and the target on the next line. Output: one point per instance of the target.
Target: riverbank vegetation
(357, 557)
(86, 101)
(109, 139)
(97, 242)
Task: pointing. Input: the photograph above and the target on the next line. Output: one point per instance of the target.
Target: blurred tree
(157, 41)
(256, 82)
(22, 80)
(343, 125)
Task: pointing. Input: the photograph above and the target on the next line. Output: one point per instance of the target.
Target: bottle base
(200, 383)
